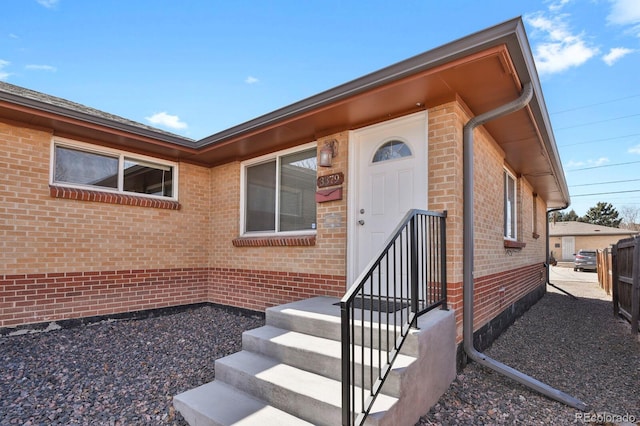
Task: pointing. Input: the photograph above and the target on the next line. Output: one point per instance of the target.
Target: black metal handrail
(405, 281)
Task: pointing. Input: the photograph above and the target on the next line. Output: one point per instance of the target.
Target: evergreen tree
(602, 214)
(559, 216)
(571, 216)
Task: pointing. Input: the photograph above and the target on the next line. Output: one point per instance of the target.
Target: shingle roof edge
(47, 103)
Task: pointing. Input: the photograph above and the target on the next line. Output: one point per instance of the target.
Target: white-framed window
(510, 207)
(81, 165)
(278, 192)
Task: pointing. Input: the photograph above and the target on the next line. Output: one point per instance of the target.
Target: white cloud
(588, 163)
(615, 54)
(558, 4)
(624, 12)
(48, 3)
(12, 35)
(251, 80)
(599, 162)
(634, 150)
(3, 74)
(41, 68)
(167, 120)
(560, 48)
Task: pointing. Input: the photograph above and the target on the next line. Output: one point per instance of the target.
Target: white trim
(243, 186)
(271, 156)
(352, 197)
(120, 155)
(352, 240)
(515, 208)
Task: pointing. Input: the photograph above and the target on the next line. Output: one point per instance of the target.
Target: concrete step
(320, 316)
(319, 355)
(218, 404)
(306, 395)
(289, 372)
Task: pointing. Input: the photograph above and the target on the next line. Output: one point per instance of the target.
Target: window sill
(276, 241)
(510, 244)
(111, 198)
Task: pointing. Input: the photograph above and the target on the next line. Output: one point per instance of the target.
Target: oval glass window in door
(392, 150)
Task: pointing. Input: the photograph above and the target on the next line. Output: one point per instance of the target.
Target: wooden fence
(605, 276)
(625, 279)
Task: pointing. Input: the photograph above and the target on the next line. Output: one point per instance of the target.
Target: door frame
(568, 241)
(353, 184)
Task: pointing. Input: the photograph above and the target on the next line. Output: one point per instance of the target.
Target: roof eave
(526, 69)
(40, 107)
(510, 33)
(462, 47)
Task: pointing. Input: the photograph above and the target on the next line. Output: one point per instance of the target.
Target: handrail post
(345, 336)
(413, 229)
(443, 259)
(405, 257)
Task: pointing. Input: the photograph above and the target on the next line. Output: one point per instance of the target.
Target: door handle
(361, 222)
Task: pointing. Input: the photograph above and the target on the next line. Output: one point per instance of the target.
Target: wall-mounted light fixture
(328, 151)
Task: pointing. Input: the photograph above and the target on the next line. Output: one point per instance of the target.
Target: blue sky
(200, 66)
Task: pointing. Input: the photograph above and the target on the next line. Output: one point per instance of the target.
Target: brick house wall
(68, 258)
(502, 276)
(257, 273)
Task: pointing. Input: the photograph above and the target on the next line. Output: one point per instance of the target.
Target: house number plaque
(330, 180)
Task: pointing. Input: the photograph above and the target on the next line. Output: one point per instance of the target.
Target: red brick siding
(496, 292)
(33, 298)
(258, 290)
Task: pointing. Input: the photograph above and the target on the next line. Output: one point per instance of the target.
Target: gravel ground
(115, 373)
(576, 346)
(126, 372)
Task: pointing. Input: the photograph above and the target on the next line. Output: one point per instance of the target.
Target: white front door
(390, 178)
(568, 248)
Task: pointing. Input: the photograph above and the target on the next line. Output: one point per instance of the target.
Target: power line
(625, 198)
(605, 183)
(596, 104)
(600, 140)
(598, 122)
(604, 165)
(606, 193)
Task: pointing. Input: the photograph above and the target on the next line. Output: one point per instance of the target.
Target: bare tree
(630, 217)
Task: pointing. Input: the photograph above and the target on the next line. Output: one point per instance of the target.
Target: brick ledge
(111, 198)
(510, 244)
(276, 241)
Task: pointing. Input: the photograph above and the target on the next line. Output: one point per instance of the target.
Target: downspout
(468, 253)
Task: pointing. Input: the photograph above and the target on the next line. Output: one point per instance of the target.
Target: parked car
(585, 261)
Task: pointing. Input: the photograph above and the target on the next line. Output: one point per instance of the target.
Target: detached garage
(566, 238)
